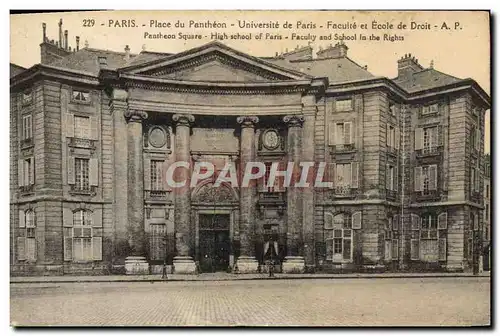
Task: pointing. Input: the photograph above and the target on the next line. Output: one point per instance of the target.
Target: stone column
(294, 262)
(183, 262)
(135, 263)
(307, 194)
(246, 262)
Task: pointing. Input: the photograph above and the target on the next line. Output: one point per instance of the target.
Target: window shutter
(166, 186)
(415, 222)
(328, 218)
(440, 135)
(22, 219)
(97, 248)
(67, 217)
(414, 249)
(395, 249)
(20, 172)
(21, 248)
(333, 177)
(476, 223)
(93, 172)
(476, 181)
(71, 170)
(94, 128)
(97, 218)
(442, 249)
(387, 250)
(354, 175)
(347, 133)
(418, 179)
(32, 171)
(70, 125)
(443, 221)
(356, 220)
(395, 183)
(387, 176)
(419, 136)
(30, 249)
(388, 135)
(434, 137)
(333, 134)
(433, 177)
(397, 140)
(477, 138)
(147, 174)
(395, 222)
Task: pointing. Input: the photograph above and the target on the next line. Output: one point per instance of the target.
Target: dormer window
(81, 96)
(103, 60)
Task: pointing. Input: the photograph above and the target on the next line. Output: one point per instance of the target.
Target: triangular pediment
(214, 62)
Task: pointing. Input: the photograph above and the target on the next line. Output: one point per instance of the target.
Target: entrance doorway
(214, 242)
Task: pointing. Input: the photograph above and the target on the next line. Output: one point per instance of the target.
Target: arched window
(338, 233)
(82, 235)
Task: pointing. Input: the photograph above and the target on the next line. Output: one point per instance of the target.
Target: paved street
(319, 302)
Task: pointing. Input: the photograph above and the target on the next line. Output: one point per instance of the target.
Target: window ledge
(343, 149)
(82, 143)
(435, 151)
(91, 192)
(27, 143)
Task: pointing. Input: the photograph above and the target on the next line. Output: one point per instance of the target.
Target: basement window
(81, 96)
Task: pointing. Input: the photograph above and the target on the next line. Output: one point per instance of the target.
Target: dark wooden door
(214, 243)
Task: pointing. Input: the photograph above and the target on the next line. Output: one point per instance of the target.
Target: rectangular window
(28, 172)
(156, 175)
(429, 227)
(391, 182)
(82, 127)
(391, 137)
(81, 96)
(343, 175)
(27, 127)
(430, 109)
(342, 105)
(339, 238)
(426, 178)
(430, 139)
(82, 174)
(343, 133)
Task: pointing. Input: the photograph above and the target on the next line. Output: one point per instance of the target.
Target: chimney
(299, 53)
(77, 43)
(44, 29)
(51, 50)
(60, 33)
(127, 52)
(407, 65)
(338, 50)
(66, 39)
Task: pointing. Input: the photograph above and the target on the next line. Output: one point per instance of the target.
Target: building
(92, 132)
(486, 236)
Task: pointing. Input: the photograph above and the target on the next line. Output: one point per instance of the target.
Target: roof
(15, 69)
(146, 56)
(426, 79)
(86, 59)
(338, 70)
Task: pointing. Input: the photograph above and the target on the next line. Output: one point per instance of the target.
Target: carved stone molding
(183, 119)
(135, 115)
(247, 121)
(293, 120)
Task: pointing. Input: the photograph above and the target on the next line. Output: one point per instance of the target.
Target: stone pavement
(230, 277)
(444, 301)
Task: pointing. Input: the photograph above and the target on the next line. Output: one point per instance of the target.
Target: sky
(462, 51)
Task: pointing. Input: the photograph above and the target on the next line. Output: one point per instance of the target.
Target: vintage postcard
(250, 168)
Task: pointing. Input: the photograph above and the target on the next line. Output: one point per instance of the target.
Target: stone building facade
(93, 132)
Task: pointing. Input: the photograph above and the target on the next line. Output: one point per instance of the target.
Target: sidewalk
(232, 277)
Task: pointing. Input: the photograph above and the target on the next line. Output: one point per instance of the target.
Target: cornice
(51, 72)
(384, 83)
